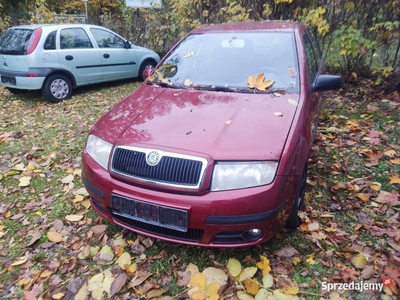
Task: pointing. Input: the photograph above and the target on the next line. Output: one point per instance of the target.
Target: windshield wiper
(230, 89)
(163, 84)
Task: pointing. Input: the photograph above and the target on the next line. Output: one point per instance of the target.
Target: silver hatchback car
(58, 58)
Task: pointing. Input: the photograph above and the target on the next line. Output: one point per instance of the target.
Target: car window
(71, 38)
(106, 39)
(13, 41)
(314, 42)
(312, 63)
(50, 43)
(223, 59)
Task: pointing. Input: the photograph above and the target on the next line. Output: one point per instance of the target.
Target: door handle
(106, 55)
(69, 57)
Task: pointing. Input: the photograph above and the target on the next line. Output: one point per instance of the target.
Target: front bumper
(215, 219)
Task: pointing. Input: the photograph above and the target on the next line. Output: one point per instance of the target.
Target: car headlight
(239, 175)
(99, 150)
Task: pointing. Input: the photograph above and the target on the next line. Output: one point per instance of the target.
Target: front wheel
(147, 64)
(57, 88)
(298, 203)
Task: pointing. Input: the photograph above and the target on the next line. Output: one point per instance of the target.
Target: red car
(212, 149)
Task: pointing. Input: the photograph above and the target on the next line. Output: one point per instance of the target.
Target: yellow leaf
(362, 197)
(310, 259)
(21, 261)
(264, 265)
(293, 102)
(198, 280)
(247, 273)
(251, 286)
(376, 186)
(390, 153)
(394, 179)
(268, 281)
(395, 161)
(287, 285)
(58, 296)
(228, 122)
(124, 259)
(359, 261)
(73, 218)
(24, 181)
(234, 267)
(215, 275)
(259, 83)
(212, 289)
(244, 296)
(54, 237)
(86, 203)
(45, 274)
(296, 261)
(199, 295)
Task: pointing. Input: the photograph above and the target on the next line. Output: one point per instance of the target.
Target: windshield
(13, 41)
(245, 61)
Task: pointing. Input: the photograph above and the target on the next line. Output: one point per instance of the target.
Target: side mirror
(327, 83)
(148, 71)
(127, 44)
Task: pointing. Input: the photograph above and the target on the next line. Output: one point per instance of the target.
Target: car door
(314, 68)
(118, 61)
(77, 55)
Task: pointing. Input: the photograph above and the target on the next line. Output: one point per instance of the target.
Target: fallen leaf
(73, 218)
(234, 267)
(293, 102)
(394, 179)
(264, 265)
(359, 261)
(251, 286)
(24, 181)
(278, 114)
(67, 179)
(287, 285)
(286, 252)
(54, 237)
(198, 280)
(259, 83)
(118, 283)
(36, 236)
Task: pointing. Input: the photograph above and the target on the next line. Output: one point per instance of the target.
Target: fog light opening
(254, 233)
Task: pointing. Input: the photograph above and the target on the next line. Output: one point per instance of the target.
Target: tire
(16, 91)
(57, 88)
(146, 64)
(298, 204)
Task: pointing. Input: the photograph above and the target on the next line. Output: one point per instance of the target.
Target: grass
(44, 141)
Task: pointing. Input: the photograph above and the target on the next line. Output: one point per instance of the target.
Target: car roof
(287, 26)
(33, 26)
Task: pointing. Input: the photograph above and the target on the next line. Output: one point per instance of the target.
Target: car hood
(225, 126)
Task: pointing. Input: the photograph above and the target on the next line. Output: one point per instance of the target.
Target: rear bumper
(31, 80)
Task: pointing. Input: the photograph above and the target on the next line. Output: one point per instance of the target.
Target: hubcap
(59, 88)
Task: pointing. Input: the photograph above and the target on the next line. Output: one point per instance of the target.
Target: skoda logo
(153, 158)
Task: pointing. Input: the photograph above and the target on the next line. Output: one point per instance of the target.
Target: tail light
(33, 40)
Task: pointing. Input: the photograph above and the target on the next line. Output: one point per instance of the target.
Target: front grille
(179, 171)
(193, 235)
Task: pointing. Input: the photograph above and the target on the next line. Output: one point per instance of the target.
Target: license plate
(8, 80)
(159, 215)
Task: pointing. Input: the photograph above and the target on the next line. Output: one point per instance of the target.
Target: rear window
(13, 41)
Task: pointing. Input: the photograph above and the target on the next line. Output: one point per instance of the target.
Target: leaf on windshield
(189, 54)
(292, 72)
(187, 82)
(159, 75)
(259, 82)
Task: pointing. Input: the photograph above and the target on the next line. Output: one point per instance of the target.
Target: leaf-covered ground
(53, 246)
